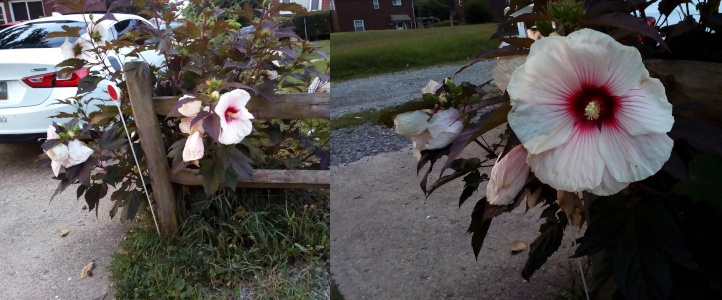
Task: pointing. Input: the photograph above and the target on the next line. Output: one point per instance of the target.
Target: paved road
(390, 89)
(36, 263)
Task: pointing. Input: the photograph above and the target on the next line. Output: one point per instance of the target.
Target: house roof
(400, 18)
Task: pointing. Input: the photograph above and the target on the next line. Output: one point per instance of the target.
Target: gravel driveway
(36, 263)
(390, 89)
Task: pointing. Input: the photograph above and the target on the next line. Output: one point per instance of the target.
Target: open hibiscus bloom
(235, 118)
(588, 113)
(69, 155)
(76, 49)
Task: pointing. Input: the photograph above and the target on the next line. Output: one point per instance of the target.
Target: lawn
(362, 54)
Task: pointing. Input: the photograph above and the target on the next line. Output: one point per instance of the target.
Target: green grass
(362, 54)
(323, 46)
(370, 116)
(273, 244)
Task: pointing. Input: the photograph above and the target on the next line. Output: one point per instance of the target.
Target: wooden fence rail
(145, 108)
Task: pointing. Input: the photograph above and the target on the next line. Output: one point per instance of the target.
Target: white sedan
(29, 83)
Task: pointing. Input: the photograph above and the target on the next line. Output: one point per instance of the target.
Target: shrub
(442, 23)
(318, 25)
(477, 11)
(433, 8)
(284, 22)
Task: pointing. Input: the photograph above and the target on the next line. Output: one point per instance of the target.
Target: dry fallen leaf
(518, 246)
(63, 232)
(87, 270)
(572, 206)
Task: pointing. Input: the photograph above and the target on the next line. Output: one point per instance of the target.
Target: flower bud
(411, 123)
(444, 126)
(507, 177)
(194, 147)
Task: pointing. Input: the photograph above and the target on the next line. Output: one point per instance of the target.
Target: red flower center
(593, 106)
(231, 113)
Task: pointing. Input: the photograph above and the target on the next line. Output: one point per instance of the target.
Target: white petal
(56, 167)
(633, 158)
(541, 127)
(67, 49)
(599, 60)
(77, 153)
(547, 77)
(505, 66)
(185, 126)
(419, 143)
(235, 131)
(574, 166)
(52, 135)
(58, 153)
(431, 87)
(444, 127)
(609, 186)
(193, 149)
(441, 140)
(507, 177)
(190, 109)
(411, 123)
(645, 109)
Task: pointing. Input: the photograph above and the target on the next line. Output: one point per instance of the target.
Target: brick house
(361, 15)
(22, 10)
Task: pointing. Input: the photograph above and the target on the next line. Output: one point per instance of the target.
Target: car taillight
(52, 80)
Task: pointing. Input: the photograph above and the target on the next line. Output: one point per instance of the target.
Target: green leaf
(112, 139)
(68, 31)
(471, 184)
(705, 170)
(545, 244)
(461, 166)
(479, 226)
(94, 194)
(132, 201)
(212, 172)
(644, 238)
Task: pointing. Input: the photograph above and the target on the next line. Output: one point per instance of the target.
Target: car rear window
(31, 35)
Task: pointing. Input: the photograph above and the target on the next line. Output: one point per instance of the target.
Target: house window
(460, 2)
(26, 10)
(333, 6)
(396, 2)
(376, 4)
(3, 19)
(358, 25)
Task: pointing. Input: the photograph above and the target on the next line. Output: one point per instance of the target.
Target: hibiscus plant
(214, 60)
(593, 139)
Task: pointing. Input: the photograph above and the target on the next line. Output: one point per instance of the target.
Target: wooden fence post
(137, 76)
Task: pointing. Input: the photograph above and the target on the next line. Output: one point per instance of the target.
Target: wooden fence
(145, 109)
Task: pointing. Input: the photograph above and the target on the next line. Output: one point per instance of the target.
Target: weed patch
(255, 243)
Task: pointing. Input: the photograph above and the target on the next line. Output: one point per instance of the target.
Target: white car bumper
(27, 124)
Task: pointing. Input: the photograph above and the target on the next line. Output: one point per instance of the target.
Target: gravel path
(389, 89)
(36, 262)
(351, 144)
